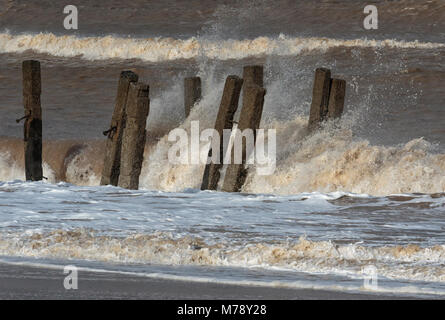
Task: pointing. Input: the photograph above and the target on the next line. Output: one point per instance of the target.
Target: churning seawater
(366, 190)
(309, 240)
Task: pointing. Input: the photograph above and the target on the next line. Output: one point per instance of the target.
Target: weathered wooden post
(111, 168)
(253, 75)
(32, 88)
(224, 120)
(336, 98)
(250, 118)
(192, 93)
(133, 139)
(320, 97)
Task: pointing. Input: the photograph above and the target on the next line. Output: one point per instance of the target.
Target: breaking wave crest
(327, 161)
(410, 262)
(165, 49)
(331, 159)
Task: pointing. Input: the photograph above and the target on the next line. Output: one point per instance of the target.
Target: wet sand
(22, 282)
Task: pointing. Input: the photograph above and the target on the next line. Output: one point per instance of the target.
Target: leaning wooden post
(253, 75)
(111, 168)
(253, 102)
(192, 93)
(320, 97)
(336, 98)
(224, 120)
(32, 89)
(133, 139)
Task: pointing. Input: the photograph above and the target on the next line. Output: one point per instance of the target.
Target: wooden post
(32, 89)
(133, 139)
(224, 120)
(192, 93)
(253, 102)
(111, 168)
(253, 75)
(320, 97)
(336, 98)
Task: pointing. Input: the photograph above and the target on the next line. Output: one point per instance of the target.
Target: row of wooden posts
(127, 133)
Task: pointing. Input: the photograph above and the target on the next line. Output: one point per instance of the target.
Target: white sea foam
(11, 170)
(165, 49)
(409, 262)
(327, 161)
(331, 159)
(334, 234)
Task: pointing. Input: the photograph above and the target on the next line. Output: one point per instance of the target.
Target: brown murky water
(366, 190)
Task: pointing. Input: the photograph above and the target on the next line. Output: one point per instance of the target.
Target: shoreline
(36, 283)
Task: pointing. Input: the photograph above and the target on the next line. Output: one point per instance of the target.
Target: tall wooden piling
(253, 75)
(224, 120)
(320, 97)
(134, 135)
(111, 168)
(336, 98)
(250, 118)
(32, 88)
(192, 93)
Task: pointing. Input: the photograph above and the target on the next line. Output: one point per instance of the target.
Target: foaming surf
(166, 49)
(275, 240)
(421, 264)
(329, 160)
(334, 158)
(336, 203)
